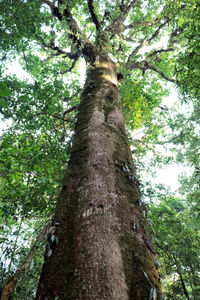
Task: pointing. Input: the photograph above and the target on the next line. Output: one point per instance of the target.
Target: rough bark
(100, 249)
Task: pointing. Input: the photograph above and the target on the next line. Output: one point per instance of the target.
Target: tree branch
(144, 66)
(59, 51)
(76, 33)
(151, 67)
(143, 42)
(11, 284)
(159, 51)
(49, 3)
(73, 96)
(70, 110)
(126, 9)
(73, 64)
(93, 14)
(117, 25)
(174, 34)
(145, 24)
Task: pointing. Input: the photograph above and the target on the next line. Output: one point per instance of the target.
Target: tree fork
(100, 247)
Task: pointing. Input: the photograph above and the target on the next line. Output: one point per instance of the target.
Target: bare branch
(93, 14)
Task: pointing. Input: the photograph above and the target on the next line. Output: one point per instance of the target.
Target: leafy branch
(93, 14)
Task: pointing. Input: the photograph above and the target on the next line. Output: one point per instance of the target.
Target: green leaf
(31, 265)
(3, 103)
(4, 90)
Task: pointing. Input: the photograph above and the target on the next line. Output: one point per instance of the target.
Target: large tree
(98, 247)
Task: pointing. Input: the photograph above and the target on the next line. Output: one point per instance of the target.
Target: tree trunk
(100, 249)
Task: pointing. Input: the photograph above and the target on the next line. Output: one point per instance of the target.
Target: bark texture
(100, 249)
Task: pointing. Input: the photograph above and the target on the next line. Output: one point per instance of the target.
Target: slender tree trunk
(184, 286)
(10, 285)
(100, 249)
(181, 279)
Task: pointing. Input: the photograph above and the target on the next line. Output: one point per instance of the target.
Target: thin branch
(144, 66)
(62, 139)
(72, 66)
(131, 5)
(174, 34)
(126, 9)
(76, 34)
(4, 57)
(159, 51)
(93, 14)
(70, 110)
(55, 116)
(135, 51)
(26, 62)
(73, 96)
(11, 284)
(143, 42)
(117, 25)
(151, 67)
(145, 24)
(181, 279)
(157, 31)
(59, 51)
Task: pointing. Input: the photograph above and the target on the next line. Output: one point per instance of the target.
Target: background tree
(50, 39)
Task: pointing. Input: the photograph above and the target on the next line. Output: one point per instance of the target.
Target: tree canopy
(154, 44)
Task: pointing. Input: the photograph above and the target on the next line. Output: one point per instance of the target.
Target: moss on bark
(100, 255)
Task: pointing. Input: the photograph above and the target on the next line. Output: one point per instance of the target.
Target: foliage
(151, 42)
(176, 237)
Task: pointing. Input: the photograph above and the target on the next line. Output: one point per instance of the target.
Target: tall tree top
(138, 35)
